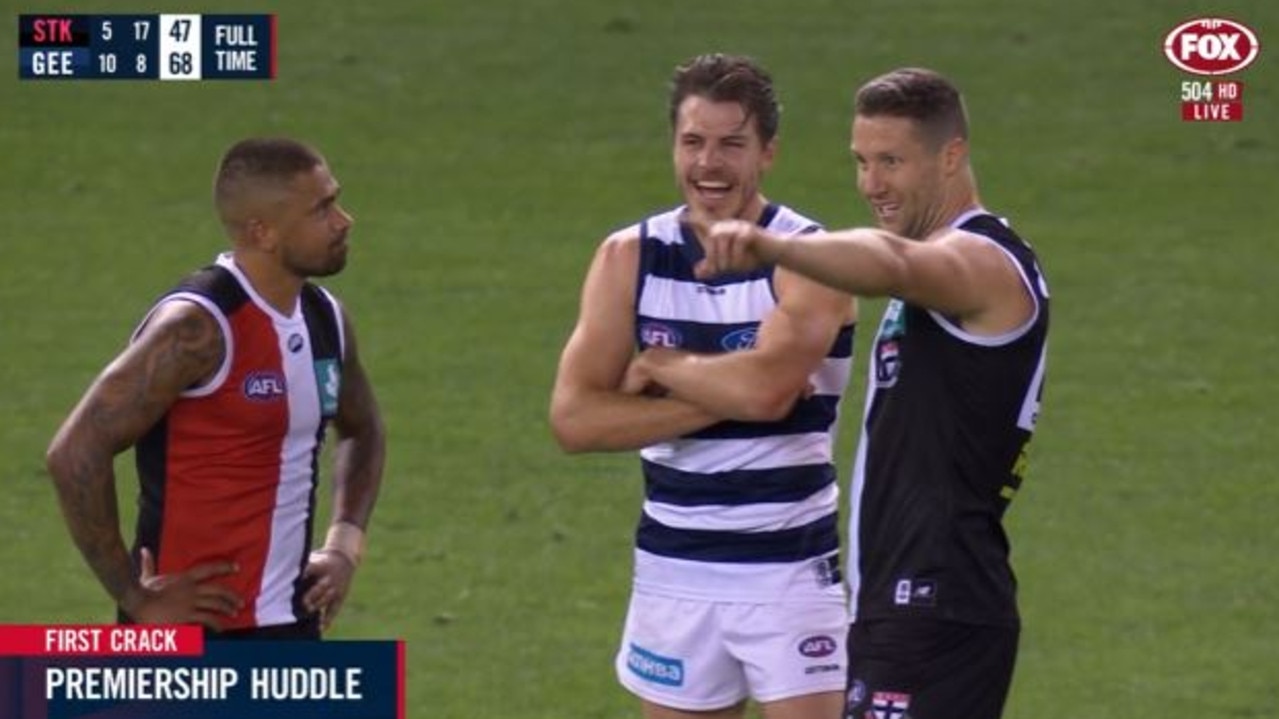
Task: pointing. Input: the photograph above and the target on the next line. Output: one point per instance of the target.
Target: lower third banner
(240, 679)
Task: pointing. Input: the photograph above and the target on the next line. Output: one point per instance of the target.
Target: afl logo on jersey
(264, 386)
(656, 334)
(742, 339)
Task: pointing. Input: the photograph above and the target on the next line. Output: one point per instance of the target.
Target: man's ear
(954, 155)
(770, 152)
(261, 234)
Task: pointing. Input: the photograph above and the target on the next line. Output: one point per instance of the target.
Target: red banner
(99, 640)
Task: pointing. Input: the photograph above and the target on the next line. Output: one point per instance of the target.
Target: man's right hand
(734, 246)
(188, 597)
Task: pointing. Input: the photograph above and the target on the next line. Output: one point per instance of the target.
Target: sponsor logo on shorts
(264, 386)
(888, 705)
(823, 669)
(655, 668)
(817, 646)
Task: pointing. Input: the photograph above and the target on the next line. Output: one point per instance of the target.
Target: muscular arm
(589, 412)
(762, 383)
(955, 273)
(181, 345)
(360, 453)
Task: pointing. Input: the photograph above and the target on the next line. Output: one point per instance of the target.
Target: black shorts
(928, 669)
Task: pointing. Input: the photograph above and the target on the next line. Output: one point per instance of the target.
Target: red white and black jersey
(942, 451)
(230, 472)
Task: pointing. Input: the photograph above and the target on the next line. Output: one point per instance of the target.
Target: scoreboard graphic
(146, 47)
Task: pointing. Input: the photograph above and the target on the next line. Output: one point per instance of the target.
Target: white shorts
(697, 655)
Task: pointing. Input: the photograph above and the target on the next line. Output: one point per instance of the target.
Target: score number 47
(181, 63)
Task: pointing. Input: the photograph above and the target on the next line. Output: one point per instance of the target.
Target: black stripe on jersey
(302, 583)
(842, 347)
(321, 324)
(150, 456)
(676, 260)
(744, 486)
(217, 284)
(811, 414)
(787, 545)
(714, 338)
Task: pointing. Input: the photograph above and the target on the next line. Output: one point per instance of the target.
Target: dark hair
(729, 78)
(921, 95)
(261, 159)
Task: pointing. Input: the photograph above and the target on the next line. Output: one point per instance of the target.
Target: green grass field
(485, 148)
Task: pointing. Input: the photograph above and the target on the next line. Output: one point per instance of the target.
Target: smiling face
(910, 143)
(899, 174)
(720, 158)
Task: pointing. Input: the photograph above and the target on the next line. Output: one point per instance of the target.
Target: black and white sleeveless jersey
(941, 454)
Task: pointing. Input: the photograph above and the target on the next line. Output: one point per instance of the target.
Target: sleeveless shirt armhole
(1010, 336)
(228, 340)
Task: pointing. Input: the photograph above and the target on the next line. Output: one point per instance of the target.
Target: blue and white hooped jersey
(738, 511)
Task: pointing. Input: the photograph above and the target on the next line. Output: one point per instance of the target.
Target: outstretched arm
(955, 272)
(181, 345)
(359, 458)
(589, 410)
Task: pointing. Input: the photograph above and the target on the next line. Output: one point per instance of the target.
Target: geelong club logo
(1211, 46)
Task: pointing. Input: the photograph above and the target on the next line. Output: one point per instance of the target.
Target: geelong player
(731, 400)
(225, 392)
(955, 383)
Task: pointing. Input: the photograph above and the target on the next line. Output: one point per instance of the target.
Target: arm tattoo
(181, 347)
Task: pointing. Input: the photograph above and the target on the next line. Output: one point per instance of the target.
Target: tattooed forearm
(86, 493)
(181, 345)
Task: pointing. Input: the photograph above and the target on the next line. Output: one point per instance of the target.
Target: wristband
(346, 539)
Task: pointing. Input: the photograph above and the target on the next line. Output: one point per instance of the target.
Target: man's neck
(277, 287)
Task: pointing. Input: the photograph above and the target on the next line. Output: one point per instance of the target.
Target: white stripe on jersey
(831, 377)
(293, 494)
(758, 517)
(852, 572)
(725, 455)
(1029, 413)
(664, 298)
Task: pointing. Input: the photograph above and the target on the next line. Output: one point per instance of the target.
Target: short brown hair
(729, 78)
(921, 95)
